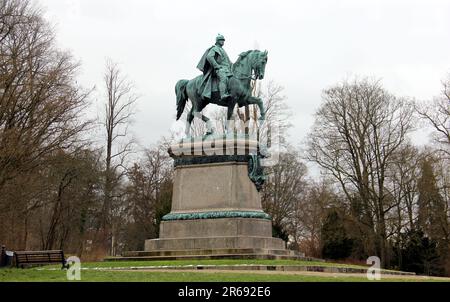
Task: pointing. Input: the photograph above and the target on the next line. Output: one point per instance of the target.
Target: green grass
(53, 273)
(33, 274)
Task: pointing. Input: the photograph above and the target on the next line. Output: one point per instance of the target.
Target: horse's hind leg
(209, 126)
(190, 118)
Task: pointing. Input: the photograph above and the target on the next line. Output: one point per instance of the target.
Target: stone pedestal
(216, 207)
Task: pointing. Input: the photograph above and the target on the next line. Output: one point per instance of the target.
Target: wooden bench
(40, 257)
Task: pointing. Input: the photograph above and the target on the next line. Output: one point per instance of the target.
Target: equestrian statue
(222, 83)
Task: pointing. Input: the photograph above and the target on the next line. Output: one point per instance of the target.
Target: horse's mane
(242, 55)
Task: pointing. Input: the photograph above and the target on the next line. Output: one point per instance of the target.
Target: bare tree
(41, 109)
(40, 103)
(283, 191)
(71, 182)
(148, 195)
(119, 109)
(402, 176)
(401, 181)
(357, 130)
(437, 114)
(309, 213)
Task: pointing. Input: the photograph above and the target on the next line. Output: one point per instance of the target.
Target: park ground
(163, 271)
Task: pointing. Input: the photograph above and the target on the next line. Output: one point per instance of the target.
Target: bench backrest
(30, 257)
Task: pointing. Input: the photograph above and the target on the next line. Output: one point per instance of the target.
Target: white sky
(311, 44)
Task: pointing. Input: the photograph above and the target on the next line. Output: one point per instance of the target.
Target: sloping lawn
(98, 271)
(33, 274)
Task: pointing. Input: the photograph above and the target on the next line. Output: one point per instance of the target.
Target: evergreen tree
(432, 219)
(420, 254)
(335, 242)
(432, 216)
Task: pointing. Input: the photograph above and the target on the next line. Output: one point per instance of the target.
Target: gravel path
(301, 273)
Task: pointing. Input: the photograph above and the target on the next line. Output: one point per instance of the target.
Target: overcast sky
(311, 45)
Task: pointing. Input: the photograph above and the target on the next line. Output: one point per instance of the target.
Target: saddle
(208, 85)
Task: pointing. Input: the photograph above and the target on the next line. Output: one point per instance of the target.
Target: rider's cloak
(206, 83)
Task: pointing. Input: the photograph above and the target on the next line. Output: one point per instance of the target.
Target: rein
(245, 76)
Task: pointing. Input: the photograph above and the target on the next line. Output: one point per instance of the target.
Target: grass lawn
(145, 276)
(90, 273)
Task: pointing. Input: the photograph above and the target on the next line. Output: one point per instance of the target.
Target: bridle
(247, 76)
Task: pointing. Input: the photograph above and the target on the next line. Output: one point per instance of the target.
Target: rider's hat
(220, 37)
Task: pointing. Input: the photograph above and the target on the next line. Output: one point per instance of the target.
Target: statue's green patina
(215, 62)
(222, 83)
(256, 171)
(216, 215)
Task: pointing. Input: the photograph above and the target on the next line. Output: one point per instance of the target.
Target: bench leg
(65, 265)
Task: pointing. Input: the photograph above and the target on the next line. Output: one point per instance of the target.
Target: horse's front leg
(259, 102)
(209, 127)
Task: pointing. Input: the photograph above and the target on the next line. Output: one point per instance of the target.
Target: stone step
(217, 256)
(329, 268)
(207, 252)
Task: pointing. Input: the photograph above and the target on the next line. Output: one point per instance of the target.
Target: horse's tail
(180, 90)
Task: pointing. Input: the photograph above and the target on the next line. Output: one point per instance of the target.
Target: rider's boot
(223, 91)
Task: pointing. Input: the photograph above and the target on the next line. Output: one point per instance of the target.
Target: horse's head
(251, 62)
(259, 64)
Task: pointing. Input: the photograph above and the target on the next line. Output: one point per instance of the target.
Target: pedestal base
(216, 208)
(230, 242)
(221, 227)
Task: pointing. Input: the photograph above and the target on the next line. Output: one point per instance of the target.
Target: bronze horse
(249, 66)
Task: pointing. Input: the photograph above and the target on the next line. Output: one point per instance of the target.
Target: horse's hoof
(265, 154)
